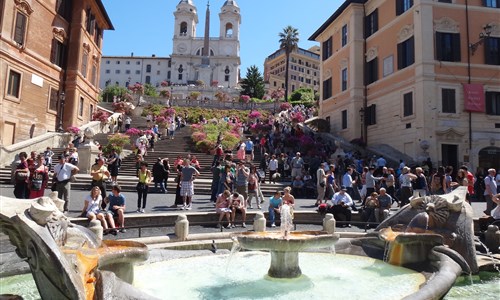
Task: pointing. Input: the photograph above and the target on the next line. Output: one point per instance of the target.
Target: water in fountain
(234, 249)
(286, 221)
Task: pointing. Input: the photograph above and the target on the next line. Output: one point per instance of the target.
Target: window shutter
(53, 51)
(400, 56)
(439, 46)
(456, 47)
(20, 28)
(399, 7)
(375, 20)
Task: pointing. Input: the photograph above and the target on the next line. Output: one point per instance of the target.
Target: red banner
(473, 97)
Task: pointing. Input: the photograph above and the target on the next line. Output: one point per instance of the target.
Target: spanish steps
(181, 145)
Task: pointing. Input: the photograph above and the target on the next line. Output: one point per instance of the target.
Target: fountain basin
(285, 250)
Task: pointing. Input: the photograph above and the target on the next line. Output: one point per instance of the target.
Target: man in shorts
(238, 204)
(188, 174)
(116, 206)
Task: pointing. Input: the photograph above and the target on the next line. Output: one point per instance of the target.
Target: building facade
(221, 61)
(50, 55)
(125, 70)
(304, 69)
(420, 76)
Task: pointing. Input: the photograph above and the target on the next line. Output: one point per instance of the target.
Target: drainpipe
(364, 128)
(468, 71)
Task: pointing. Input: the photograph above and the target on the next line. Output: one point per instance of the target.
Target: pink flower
(169, 112)
(133, 131)
(245, 98)
(164, 83)
(254, 115)
(100, 115)
(73, 129)
(199, 136)
(285, 106)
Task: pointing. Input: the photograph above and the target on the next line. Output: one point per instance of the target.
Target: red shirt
(470, 179)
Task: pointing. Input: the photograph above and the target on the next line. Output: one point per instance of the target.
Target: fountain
(286, 245)
(68, 261)
(427, 245)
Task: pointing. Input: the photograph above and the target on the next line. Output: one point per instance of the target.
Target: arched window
(148, 79)
(183, 29)
(229, 30)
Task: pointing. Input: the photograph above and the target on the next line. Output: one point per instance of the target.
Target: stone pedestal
(182, 227)
(87, 156)
(284, 265)
(492, 238)
(329, 223)
(259, 222)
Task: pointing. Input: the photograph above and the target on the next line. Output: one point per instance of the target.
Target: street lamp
(362, 124)
(482, 36)
(62, 99)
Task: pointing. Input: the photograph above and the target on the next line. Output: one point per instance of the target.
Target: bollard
(96, 228)
(329, 223)
(492, 238)
(182, 227)
(259, 222)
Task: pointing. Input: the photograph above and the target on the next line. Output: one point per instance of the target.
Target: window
(117, 71)
(371, 115)
(108, 71)
(90, 24)
(388, 66)
(148, 68)
(226, 78)
(407, 104)
(180, 76)
(492, 103)
(58, 52)
(371, 71)
(491, 3)
(63, 8)
(20, 28)
(447, 46)
(137, 62)
(159, 63)
(91, 110)
(117, 62)
(492, 50)
(85, 59)
(327, 48)
(97, 35)
(168, 75)
(127, 62)
(93, 75)
(137, 72)
(344, 79)
(14, 84)
(402, 6)
(371, 23)
(406, 53)
(148, 79)
(108, 62)
(344, 35)
(448, 101)
(327, 88)
(53, 98)
(183, 29)
(344, 119)
(127, 71)
(80, 107)
(158, 72)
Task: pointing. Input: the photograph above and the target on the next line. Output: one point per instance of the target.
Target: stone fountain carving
(68, 261)
(285, 245)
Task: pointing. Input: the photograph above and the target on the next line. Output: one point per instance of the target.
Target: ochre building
(420, 76)
(50, 56)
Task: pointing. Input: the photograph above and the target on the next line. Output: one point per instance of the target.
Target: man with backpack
(490, 190)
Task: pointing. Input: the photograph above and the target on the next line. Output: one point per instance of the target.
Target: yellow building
(304, 69)
(395, 72)
(50, 56)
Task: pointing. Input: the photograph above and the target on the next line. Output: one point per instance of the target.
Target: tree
(302, 94)
(113, 90)
(253, 84)
(289, 40)
(150, 90)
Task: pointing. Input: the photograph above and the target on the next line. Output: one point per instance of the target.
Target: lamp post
(62, 99)
(482, 36)
(362, 124)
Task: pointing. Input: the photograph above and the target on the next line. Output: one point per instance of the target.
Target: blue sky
(146, 27)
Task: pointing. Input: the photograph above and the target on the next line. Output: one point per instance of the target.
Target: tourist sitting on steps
(116, 206)
(275, 203)
(223, 208)
(342, 203)
(238, 204)
(92, 210)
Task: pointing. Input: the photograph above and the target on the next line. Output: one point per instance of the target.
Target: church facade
(213, 60)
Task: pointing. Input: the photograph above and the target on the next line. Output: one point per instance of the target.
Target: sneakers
(233, 226)
(188, 207)
(258, 207)
(244, 225)
(250, 207)
(229, 226)
(184, 207)
(273, 225)
(123, 230)
(138, 210)
(262, 201)
(142, 210)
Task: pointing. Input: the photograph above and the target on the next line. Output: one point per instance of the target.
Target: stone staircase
(181, 145)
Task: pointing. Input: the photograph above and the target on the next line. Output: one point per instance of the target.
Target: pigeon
(213, 248)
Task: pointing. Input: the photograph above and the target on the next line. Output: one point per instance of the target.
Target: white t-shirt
(63, 171)
(93, 206)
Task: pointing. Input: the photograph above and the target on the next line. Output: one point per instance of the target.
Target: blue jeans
(162, 186)
(272, 214)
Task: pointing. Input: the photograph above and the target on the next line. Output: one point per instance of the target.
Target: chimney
(154, 55)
